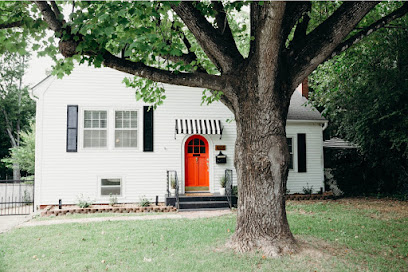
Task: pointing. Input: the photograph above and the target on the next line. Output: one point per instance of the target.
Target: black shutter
(147, 129)
(72, 128)
(301, 141)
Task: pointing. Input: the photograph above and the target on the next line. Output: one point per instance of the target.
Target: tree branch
(49, 16)
(370, 29)
(11, 25)
(185, 79)
(305, 55)
(219, 49)
(222, 20)
(293, 12)
(57, 11)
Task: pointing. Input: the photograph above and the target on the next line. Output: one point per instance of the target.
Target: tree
(193, 44)
(24, 154)
(363, 93)
(16, 107)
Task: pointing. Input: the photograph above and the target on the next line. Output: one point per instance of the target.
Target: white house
(94, 138)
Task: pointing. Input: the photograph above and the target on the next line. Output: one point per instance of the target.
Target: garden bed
(117, 208)
(324, 196)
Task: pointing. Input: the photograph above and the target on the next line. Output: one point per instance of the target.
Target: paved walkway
(9, 222)
(179, 215)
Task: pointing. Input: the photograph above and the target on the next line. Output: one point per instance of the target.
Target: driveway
(8, 222)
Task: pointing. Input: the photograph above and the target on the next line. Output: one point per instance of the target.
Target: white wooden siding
(66, 175)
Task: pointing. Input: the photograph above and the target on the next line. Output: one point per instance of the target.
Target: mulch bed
(324, 196)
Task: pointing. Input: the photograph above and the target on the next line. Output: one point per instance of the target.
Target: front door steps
(199, 201)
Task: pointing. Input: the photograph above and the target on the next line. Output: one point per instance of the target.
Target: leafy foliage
(364, 93)
(23, 155)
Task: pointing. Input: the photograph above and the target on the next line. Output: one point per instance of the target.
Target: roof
(338, 143)
(299, 109)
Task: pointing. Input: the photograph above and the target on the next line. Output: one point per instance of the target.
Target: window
(111, 186)
(95, 129)
(196, 146)
(125, 129)
(290, 146)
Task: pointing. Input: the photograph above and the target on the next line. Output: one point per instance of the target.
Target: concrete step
(203, 205)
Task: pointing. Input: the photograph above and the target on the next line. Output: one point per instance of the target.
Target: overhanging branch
(11, 25)
(370, 29)
(304, 56)
(219, 49)
(197, 79)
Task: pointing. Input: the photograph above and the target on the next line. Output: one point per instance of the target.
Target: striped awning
(198, 126)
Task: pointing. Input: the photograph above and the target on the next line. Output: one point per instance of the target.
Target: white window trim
(110, 129)
(106, 197)
(138, 129)
(294, 148)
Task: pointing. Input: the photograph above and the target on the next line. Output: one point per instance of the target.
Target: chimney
(305, 88)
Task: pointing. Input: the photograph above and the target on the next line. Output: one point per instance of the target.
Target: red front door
(196, 156)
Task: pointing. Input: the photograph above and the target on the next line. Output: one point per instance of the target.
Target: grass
(344, 236)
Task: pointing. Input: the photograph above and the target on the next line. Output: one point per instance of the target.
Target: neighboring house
(94, 138)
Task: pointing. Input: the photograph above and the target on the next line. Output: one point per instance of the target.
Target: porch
(199, 200)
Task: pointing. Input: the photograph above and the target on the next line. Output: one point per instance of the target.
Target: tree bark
(261, 161)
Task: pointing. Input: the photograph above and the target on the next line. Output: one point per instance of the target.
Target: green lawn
(340, 236)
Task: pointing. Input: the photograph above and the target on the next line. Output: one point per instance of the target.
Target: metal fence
(16, 197)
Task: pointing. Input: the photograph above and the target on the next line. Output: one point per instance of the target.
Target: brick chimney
(305, 88)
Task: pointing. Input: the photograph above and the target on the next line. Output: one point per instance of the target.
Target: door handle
(196, 159)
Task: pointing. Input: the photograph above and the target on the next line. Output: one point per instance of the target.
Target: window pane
(103, 115)
(202, 149)
(118, 138)
(133, 138)
(126, 123)
(190, 149)
(95, 114)
(291, 161)
(196, 142)
(133, 123)
(196, 150)
(105, 191)
(134, 114)
(87, 124)
(115, 181)
(126, 115)
(95, 123)
(103, 123)
(191, 142)
(201, 142)
(87, 138)
(88, 114)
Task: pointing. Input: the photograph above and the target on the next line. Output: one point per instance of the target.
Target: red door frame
(196, 162)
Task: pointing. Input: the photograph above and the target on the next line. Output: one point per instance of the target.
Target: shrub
(113, 199)
(144, 202)
(173, 183)
(223, 182)
(308, 190)
(83, 202)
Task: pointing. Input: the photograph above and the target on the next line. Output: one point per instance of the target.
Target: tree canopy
(256, 61)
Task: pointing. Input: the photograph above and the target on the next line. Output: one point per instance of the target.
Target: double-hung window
(95, 129)
(125, 129)
(290, 146)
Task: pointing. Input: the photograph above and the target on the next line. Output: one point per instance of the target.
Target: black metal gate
(16, 197)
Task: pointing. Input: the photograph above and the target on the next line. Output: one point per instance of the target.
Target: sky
(37, 70)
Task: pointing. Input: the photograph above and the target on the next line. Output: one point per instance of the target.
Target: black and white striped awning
(198, 126)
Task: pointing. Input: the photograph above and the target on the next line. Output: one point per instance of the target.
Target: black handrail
(228, 186)
(172, 174)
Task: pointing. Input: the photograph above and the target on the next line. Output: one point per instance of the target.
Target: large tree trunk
(261, 161)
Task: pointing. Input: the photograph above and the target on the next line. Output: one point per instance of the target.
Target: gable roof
(299, 109)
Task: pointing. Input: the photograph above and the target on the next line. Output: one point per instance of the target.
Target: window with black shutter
(147, 129)
(72, 128)
(301, 141)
